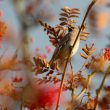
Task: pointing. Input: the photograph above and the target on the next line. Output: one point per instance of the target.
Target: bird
(62, 51)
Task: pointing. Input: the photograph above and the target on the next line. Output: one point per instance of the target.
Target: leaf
(40, 63)
(92, 51)
(61, 35)
(90, 104)
(63, 19)
(64, 14)
(46, 25)
(53, 41)
(88, 47)
(45, 29)
(58, 31)
(51, 37)
(83, 38)
(41, 23)
(85, 50)
(84, 34)
(70, 16)
(63, 23)
(66, 9)
(83, 82)
(75, 9)
(72, 21)
(88, 51)
(83, 55)
(75, 12)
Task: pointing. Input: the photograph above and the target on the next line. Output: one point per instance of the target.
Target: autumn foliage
(29, 81)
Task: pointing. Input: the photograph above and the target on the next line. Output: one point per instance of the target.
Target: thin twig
(73, 89)
(80, 102)
(88, 83)
(21, 106)
(99, 90)
(63, 76)
(71, 67)
(84, 89)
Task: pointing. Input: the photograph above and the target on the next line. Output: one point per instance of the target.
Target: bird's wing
(55, 54)
(57, 50)
(61, 43)
(64, 40)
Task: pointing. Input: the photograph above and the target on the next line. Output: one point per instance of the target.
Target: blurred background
(25, 38)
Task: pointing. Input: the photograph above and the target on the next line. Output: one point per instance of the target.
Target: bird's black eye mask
(69, 29)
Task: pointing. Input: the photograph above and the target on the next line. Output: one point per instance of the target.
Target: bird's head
(70, 29)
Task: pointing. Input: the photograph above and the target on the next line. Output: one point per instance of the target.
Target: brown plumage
(63, 49)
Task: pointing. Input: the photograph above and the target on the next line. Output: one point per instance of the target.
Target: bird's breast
(75, 48)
